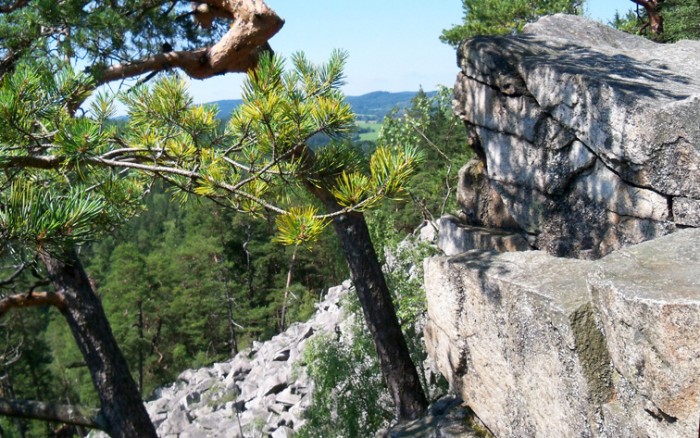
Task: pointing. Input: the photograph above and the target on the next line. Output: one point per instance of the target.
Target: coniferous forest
(133, 248)
(187, 282)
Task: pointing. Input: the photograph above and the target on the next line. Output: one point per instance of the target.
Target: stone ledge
(455, 237)
(544, 346)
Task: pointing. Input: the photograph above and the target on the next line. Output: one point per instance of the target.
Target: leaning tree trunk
(397, 366)
(123, 412)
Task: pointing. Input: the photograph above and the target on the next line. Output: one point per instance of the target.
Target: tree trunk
(653, 10)
(142, 339)
(66, 414)
(122, 409)
(397, 367)
(7, 390)
(224, 276)
(229, 315)
(283, 320)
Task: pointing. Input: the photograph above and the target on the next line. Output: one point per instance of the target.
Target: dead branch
(34, 299)
(11, 355)
(9, 61)
(35, 410)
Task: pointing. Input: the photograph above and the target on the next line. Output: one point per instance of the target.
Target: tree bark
(397, 366)
(656, 20)
(253, 23)
(123, 412)
(6, 9)
(283, 320)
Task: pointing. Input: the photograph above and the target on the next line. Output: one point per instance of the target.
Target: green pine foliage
(503, 17)
(628, 22)
(430, 127)
(74, 203)
(681, 20)
(99, 33)
(199, 283)
(263, 161)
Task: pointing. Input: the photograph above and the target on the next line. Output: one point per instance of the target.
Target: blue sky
(393, 45)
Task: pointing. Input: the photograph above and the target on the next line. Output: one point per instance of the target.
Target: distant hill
(375, 105)
(370, 107)
(226, 107)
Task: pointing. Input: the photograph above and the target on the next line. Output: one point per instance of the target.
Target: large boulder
(545, 346)
(588, 138)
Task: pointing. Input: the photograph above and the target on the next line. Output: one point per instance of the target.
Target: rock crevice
(565, 347)
(575, 112)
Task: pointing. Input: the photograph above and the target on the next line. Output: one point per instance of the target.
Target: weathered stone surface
(177, 421)
(588, 136)
(686, 211)
(649, 301)
(286, 397)
(455, 238)
(514, 344)
(545, 346)
(282, 432)
(221, 369)
(275, 381)
(480, 203)
(282, 355)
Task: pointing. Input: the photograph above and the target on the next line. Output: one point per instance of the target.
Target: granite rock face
(455, 237)
(648, 298)
(588, 148)
(587, 138)
(544, 346)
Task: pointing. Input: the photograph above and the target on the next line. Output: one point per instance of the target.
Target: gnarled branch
(254, 23)
(36, 410)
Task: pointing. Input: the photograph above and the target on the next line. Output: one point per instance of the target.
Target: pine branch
(194, 176)
(53, 162)
(656, 21)
(254, 23)
(32, 299)
(36, 410)
(46, 162)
